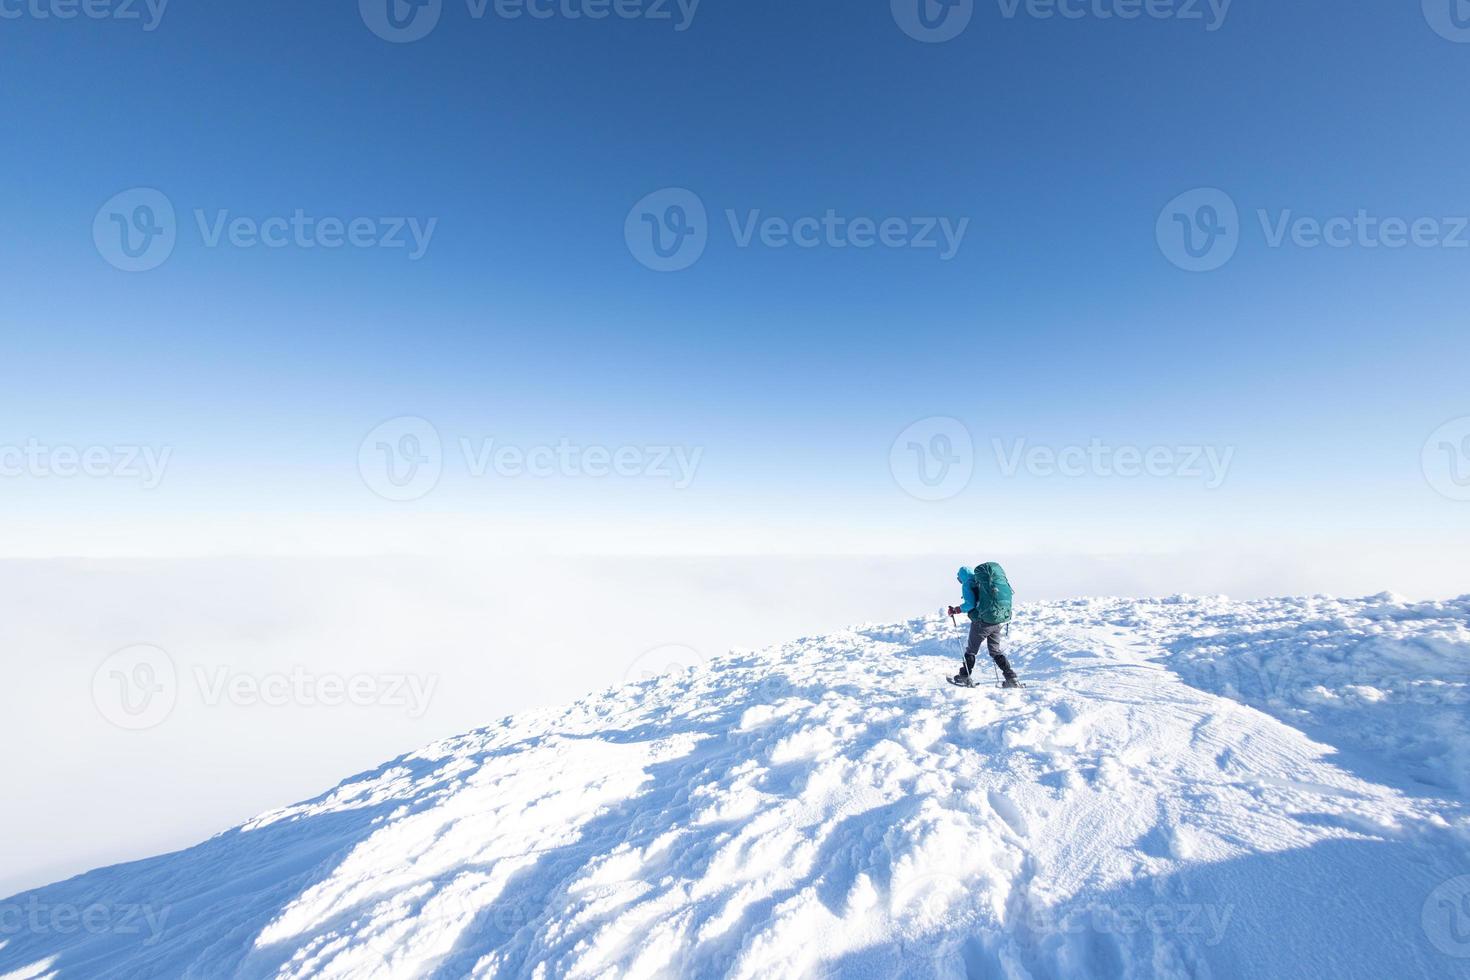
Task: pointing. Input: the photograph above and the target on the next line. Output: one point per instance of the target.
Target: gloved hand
(954, 610)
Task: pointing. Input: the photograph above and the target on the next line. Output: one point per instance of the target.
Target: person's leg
(997, 653)
(972, 647)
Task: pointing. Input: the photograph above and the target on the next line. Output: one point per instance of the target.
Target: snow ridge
(833, 808)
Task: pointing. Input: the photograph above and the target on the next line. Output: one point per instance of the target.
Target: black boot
(1006, 672)
(966, 676)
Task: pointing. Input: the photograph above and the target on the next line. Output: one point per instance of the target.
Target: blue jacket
(966, 578)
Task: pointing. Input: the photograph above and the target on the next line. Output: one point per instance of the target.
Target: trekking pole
(963, 644)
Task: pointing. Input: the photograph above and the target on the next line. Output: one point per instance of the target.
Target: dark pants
(989, 634)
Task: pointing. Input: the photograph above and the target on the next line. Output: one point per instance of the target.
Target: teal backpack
(994, 595)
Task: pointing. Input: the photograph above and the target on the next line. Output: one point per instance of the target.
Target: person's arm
(967, 601)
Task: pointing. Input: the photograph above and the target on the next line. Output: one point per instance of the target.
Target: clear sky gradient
(528, 318)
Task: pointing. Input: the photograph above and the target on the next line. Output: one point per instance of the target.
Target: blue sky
(528, 318)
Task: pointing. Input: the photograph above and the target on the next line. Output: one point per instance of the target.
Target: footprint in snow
(1007, 810)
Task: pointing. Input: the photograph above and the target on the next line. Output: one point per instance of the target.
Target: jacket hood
(964, 575)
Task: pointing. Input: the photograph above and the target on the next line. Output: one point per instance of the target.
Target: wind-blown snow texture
(1189, 787)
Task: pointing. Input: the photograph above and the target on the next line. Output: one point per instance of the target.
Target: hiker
(987, 601)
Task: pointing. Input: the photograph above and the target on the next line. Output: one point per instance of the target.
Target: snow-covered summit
(1187, 787)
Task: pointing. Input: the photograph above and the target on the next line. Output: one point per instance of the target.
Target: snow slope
(1188, 788)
